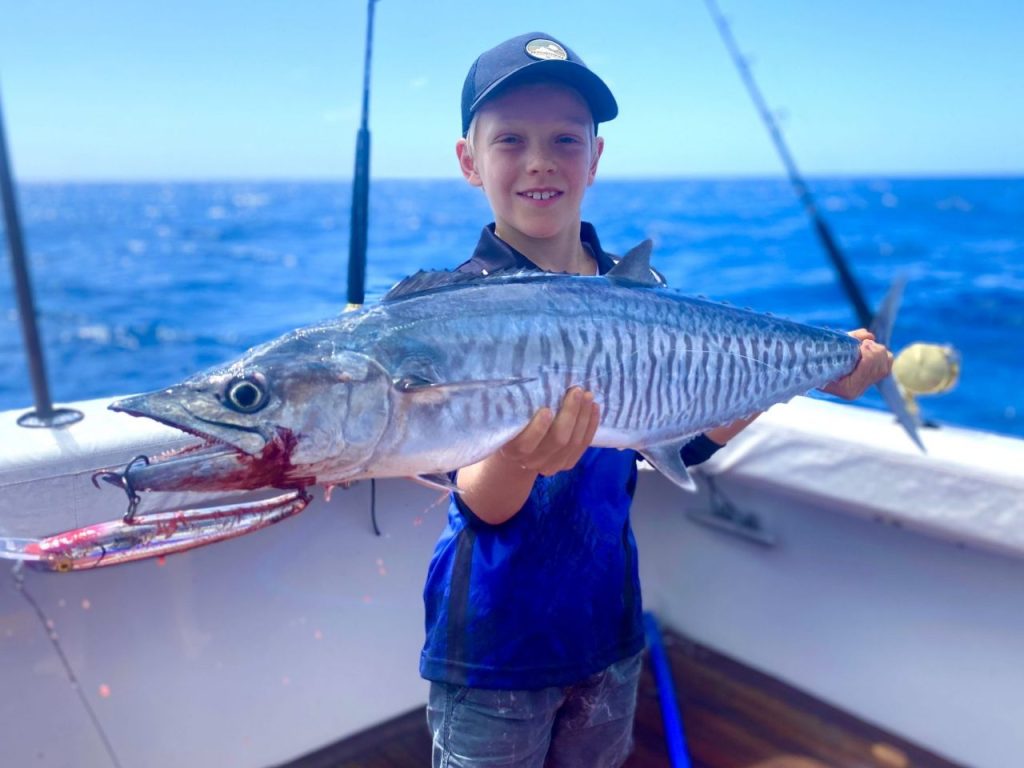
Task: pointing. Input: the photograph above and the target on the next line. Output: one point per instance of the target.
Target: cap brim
(592, 88)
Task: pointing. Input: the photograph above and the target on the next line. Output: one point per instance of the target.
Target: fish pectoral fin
(420, 384)
(666, 459)
(417, 374)
(410, 383)
(438, 480)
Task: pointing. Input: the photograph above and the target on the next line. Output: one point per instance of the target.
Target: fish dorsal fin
(635, 266)
(427, 280)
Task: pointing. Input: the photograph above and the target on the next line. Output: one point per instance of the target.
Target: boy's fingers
(876, 359)
(862, 334)
(564, 426)
(874, 365)
(566, 452)
(559, 435)
(595, 422)
(583, 419)
(583, 435)
(520, 447)
(553, 442)
(545, 435)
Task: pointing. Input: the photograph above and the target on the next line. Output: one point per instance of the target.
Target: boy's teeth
(540, 195)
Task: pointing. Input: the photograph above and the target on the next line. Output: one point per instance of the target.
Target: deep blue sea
(139, 285)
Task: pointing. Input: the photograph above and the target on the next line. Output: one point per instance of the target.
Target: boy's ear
(598, 149)
(467, 163)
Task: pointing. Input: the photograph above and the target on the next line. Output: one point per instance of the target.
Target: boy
(533, 612)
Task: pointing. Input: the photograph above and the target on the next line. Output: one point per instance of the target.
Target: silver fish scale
(660, 364)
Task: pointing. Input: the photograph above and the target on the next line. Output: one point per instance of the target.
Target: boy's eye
(568, 140)
(507, 139)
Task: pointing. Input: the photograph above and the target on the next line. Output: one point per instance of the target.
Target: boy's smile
(541, 195)
(534, 153)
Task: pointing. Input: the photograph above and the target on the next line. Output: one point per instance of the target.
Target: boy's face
(534, 153)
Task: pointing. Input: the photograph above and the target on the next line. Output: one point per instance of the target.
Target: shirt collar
(493, 254)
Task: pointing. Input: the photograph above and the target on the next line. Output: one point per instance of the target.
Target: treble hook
(121, 479)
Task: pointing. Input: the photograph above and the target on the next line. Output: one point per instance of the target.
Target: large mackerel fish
(449, 366)
(439, 374)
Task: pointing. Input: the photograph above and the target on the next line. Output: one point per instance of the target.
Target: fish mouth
(214, 463)
(251, 440)
(207, 447)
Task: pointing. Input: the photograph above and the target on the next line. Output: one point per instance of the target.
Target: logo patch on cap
(546, 50)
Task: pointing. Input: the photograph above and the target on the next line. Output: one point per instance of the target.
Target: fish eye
(246, 395)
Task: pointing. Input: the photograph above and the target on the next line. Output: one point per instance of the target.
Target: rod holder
(44, 414)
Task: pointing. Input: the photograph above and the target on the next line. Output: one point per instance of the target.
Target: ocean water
(140, 285)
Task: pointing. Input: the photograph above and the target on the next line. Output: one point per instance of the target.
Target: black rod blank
(361, 183)
(44, 414)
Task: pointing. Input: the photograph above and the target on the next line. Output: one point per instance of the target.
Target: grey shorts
(586, 725)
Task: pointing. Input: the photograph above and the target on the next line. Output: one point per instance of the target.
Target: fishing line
(373, 505)
(18, 574)
(821, 228)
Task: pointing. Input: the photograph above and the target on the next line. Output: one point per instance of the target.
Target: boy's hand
(552, 443)
(496, 488)
(874, 365)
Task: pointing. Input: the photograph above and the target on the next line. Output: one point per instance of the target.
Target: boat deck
(733, 716)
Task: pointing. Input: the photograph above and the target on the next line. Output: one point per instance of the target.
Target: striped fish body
(449, 367)
(474, 361)
(441, 373)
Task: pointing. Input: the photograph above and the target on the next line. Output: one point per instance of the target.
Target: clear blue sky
(217, 89)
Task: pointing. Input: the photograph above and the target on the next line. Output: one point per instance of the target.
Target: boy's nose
(540, 161)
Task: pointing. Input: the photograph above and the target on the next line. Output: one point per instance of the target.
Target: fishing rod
(44, 415)
(920, 369)
(360, 211)
(361, 183)
(821, 228)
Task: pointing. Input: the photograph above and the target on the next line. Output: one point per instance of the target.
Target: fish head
(284, 415)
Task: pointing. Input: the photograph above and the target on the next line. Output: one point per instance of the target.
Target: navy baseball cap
(531, 58)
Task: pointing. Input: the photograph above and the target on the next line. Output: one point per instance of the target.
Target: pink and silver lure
(153, 535)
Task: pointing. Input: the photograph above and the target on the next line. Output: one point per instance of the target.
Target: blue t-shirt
(551, 595)
(548, 597)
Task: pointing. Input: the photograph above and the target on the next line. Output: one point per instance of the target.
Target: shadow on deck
(734, 717)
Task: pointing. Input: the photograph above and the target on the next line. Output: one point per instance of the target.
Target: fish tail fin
(885, 317)
(889, 388)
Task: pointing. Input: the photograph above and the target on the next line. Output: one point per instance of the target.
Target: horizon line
(753, 176)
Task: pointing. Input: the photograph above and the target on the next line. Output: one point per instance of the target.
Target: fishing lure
(153, 535)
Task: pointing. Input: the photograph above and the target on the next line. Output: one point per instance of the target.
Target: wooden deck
(734, 717)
